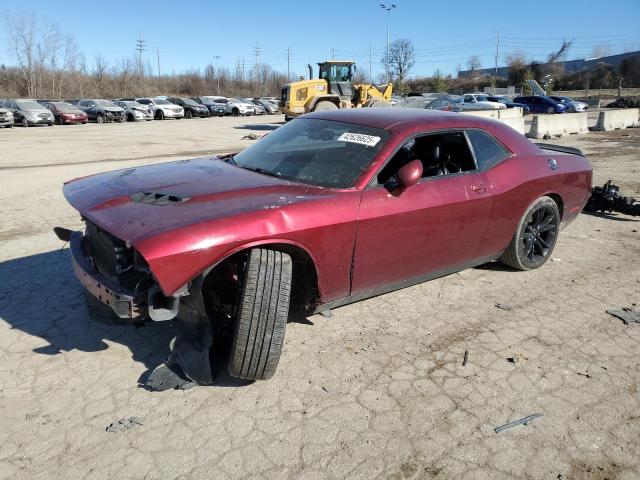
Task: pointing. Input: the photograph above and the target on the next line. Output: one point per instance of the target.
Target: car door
(431, 228)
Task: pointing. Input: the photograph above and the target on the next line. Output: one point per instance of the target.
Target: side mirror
(408, 175)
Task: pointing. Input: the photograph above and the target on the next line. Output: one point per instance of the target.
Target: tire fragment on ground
(124, 424)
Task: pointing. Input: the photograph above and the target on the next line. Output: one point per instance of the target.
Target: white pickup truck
(478, 101)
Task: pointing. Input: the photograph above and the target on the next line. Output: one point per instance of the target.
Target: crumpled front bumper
(125, 304)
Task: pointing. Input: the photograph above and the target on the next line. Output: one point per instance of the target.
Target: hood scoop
(156, 198)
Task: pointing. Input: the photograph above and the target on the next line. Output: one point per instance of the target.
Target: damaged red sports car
(331, 208)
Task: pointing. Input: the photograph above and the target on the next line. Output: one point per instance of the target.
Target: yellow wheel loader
(332, 90)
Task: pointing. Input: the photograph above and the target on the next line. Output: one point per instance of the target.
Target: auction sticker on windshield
(368, 140)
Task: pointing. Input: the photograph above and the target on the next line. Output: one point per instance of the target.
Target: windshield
(132, 104)
(104, 103)
(207, 101)
(188, 101)
(30, 105)
(318, 152)
(481, 98)
(65, 107)
(160, 101)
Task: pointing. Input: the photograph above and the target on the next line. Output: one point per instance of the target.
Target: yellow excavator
(333, 89)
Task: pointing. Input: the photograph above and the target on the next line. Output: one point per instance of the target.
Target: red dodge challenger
(331, 208)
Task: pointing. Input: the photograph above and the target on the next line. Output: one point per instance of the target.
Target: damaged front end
(117, 276)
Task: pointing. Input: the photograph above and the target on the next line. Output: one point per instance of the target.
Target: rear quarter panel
(517, 182)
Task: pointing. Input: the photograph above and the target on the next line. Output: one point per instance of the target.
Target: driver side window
(440, 154)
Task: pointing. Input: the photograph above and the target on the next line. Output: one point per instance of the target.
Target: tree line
(49, 64)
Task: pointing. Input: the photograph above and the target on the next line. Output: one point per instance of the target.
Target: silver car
(135, 111)
(269, 105)
(27, 112)
(6, 117)
(571, 104)
(257, 107)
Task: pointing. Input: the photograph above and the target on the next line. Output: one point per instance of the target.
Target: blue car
(540, 104)
(509, 103)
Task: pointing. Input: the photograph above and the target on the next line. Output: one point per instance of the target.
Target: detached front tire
(262, 315)
(535, 237)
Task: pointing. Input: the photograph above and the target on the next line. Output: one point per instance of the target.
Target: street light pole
(217, 57)
(388, 8)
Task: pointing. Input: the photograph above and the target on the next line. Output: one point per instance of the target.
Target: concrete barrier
(483, 113)
(558, 125)
(517, 123)
(615, 119)
(505, 116)
(515, 112)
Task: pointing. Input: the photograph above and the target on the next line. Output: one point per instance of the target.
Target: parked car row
(30, 112)
(481, 101)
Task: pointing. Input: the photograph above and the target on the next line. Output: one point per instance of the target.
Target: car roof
(406, 120)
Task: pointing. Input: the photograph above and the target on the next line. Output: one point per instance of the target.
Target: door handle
(479, 188)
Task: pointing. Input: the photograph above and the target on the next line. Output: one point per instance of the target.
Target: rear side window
(487, 150)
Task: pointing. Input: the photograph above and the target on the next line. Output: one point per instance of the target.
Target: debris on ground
(607, 199)
(556, 259)
(125, 424)
(251, 136)
(627, 315)
(466, 358)
(517, 359)
(504, 306)
(326, 313)
(515, 423)
(164, 377)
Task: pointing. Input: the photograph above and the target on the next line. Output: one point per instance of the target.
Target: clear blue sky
(188, 33)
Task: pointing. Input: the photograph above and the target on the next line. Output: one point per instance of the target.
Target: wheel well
(316, 100)
(304, 288)
(558, 199)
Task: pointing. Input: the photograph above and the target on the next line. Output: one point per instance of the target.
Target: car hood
(35, 110)
(111, 109)
(138, 203)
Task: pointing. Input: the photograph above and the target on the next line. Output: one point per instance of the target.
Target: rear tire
(550, 110)
(535, 237)
(262, 315)
(159, 115)
(100, 118)
(24, 122)
(188, 114)
(324, 105)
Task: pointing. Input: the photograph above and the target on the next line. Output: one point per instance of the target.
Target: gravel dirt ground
(378, 390)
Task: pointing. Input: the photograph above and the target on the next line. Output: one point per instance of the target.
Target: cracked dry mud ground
(375, 391)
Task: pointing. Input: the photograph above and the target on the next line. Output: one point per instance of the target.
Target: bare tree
(21, 39)
(401, 59)
(124, 71)
(100, 73)
(474, 63)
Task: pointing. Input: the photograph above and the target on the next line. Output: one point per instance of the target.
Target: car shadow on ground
(41, 296)
(611, 216)
(259, 126)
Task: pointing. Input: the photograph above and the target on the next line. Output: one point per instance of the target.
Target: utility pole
(141, 46)
(497, 54)
(217, 57)
(256, 52)
(333, 52)
(158, 57)
(370, 76)
(288, 64)
(242, 77)
(388, 8)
